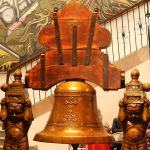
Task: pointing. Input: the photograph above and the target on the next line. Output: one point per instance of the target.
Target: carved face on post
(15, 104)
(134, 111)
(15, 110)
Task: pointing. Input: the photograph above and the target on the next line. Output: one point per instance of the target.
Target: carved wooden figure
(16, 114)
(134, 114)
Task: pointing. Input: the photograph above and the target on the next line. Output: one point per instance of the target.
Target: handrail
(122, 12)
(21, 64)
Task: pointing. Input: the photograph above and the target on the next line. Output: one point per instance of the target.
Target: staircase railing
(129, 30)
(35, 95)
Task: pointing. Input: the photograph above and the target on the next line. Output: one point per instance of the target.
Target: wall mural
(22, 20)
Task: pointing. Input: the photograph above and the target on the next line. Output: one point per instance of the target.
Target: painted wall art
(22, 20)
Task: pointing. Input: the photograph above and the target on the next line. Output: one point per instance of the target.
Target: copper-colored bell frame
(74, 40)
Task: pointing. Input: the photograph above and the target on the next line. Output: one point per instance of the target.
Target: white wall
(38, 125)
(108, 101)
(2, 81)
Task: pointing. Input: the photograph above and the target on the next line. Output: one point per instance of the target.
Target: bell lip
(93, 138)
(75, 140)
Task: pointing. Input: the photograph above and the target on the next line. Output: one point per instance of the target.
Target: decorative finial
(96, 10)
(135, 74)
(18, 74)
(55, 9)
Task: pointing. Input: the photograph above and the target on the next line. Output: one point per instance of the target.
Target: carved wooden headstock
(74, 40)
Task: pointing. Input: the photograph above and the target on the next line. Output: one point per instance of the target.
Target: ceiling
(22, 20)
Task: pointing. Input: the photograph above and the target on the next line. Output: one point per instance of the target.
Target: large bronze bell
(74, 118)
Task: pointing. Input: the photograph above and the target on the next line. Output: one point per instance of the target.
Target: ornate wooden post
(16, 114)
(134, 114)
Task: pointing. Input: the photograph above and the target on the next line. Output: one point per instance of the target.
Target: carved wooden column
(16, 114)
(134, 114)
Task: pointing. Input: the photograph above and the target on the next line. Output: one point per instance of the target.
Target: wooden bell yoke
(74, 41)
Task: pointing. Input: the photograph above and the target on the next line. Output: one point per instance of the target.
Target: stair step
(2, 133)
(1, 123)
(2, 140)
(33, 147)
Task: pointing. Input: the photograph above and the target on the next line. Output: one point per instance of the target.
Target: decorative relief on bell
(70, 116)
(71, 101)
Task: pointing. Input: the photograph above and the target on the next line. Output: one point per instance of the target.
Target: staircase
(134, 59)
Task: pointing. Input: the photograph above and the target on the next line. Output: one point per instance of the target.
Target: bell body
(74, 118)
